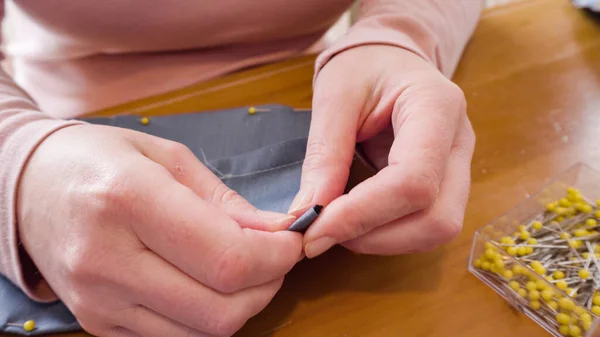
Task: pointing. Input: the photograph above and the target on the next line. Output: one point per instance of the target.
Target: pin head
(563, 318)
(564, 330)
(575, 331)
(29, 325)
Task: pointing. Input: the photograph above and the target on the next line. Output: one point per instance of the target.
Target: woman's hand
(138, 238)
(411, 121)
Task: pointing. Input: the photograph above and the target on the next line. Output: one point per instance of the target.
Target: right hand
(138, 238)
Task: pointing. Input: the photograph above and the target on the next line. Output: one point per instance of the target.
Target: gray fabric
(16, 307)
(246, 151)
(268, 177)
(259, 156)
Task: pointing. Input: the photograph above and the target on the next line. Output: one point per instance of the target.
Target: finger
(377, 148)
(331, 144)
(204, 242)
(185, 167)
(119, 331)
(439, 224)
(164, 289)
(148, 323)
(96, 328)
(425, 123)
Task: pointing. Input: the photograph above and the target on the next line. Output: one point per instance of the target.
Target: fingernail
(302, 200)
(318, 246)
(276, 220)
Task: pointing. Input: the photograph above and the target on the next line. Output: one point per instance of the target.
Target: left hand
(412, 124)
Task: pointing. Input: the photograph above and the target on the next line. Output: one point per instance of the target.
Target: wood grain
(531, 78)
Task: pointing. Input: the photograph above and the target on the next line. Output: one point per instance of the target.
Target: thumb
(187, 169)
(331, 141)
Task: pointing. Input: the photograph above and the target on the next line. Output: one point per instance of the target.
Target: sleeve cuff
(369, 36)
(18, 146)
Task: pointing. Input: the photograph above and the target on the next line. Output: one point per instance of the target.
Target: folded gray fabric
(258, 155)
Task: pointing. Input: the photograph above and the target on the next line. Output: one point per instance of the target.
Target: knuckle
(189, 332)
(226, 318)
(177, 150)
(227, 325)
(355, 225)
(178, 157)
(361, 246)
(79, 306)
(115, 331)
(108, 195)
(79, 266)
(423, 246)
(92, 318)
(470, 136)
(134, 313)
(222, 194)
(232, 270)
(439, 90)
(90, 327)
(445, 230)
(230, 196)
(455, 97)
(86, 263)
(420, 188)
(319, 156)
(445, 93)
(316, 156)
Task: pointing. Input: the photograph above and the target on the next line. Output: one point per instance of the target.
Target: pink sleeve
(437, 30)
(22, 128)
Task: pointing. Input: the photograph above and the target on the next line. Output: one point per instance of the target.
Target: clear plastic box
(582, 321)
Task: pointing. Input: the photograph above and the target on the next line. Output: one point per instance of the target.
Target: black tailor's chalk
(305, 220)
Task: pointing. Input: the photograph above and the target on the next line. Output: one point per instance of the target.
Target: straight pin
(252, 110)
(27, 326)
(535, 246)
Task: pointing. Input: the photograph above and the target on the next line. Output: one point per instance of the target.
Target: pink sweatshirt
(67, 58)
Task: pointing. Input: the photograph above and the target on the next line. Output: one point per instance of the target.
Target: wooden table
(531, 76)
